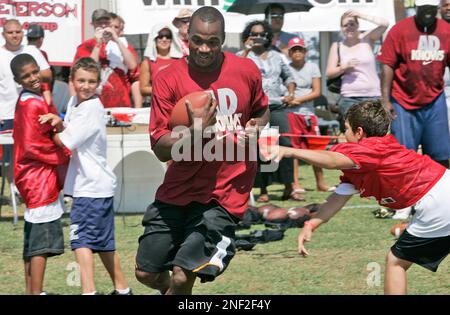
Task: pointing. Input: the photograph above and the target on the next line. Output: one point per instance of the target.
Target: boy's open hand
(272, 152)
(54, 121)
(304, 236)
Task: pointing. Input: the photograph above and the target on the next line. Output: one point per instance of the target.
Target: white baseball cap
(428, 2)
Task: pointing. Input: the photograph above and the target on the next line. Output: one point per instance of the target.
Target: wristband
(310, 224)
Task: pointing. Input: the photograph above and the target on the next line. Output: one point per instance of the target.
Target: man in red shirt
(189, 229)
(117, 57)
(414, 56)
(376, 166)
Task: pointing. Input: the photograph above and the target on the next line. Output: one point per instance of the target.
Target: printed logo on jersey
(429, 50)
(227, 118)
(386, 201)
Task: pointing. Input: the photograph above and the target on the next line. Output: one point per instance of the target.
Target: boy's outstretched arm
(323, 159)
(326, 211)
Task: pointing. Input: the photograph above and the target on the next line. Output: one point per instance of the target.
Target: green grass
(340, 252)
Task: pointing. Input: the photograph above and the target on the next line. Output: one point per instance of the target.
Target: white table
(7, 139)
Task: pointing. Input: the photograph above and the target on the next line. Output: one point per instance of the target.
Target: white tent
(323, 17)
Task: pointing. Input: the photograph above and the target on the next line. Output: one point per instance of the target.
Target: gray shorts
(43, 239)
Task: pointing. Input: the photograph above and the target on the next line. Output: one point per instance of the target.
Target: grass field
(344, 254)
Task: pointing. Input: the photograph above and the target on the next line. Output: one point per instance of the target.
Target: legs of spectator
(320, 181)
(85, 258)
(111, 262)
(34, 275)
(296, 184)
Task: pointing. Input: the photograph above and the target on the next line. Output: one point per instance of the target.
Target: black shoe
(115, 292)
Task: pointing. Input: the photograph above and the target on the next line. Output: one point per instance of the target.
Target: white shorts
(432, 217)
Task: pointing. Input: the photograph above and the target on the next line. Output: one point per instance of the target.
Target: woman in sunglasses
(354, 60)
(162, 50)
(257, 38)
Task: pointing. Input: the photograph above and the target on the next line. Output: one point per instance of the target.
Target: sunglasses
(185, 20)
(162, 36)
(256, 34)
(277, 16)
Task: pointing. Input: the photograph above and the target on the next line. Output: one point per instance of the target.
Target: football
(275, 215)
(297, 213)
(265, 209)
(180, 116)
(398, 229)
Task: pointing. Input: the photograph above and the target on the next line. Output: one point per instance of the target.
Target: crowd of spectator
(291, 82)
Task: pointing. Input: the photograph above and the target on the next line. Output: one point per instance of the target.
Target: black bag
(334, 85)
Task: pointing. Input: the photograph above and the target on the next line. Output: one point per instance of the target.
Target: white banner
(62, 21)
(141, 15)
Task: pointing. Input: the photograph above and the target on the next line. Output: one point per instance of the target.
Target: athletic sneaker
(402, 214)
(115, 292)
(383, 213)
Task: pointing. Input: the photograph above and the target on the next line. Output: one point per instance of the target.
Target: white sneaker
(402, 214)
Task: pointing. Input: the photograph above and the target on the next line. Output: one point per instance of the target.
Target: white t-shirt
(85, 135)
(9, 89)
(114, 55)
(45, 214)
(304, 80)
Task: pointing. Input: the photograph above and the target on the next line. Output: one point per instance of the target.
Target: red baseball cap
(296, 42)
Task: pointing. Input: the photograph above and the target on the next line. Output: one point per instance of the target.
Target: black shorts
(43, 239)
(199, 238)
(426, 252)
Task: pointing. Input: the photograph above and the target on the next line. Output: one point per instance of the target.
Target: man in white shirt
(9, 89)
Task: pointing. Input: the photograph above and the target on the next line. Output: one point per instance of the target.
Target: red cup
(267, 140)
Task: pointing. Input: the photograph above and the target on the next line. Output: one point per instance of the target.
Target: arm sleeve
(84, 50)
(315, 71)
(37, 141)
(259, 99)
(389, 52)
(163, 103)
(39, 57)
(346, 189)
(82, 126)
(365, 158)
(286, 73)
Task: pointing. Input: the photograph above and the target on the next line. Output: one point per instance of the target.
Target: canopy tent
(140, 16)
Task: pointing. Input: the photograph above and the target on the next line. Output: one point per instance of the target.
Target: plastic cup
(268, 139)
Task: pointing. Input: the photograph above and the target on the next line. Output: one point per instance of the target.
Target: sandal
(263, 198)
(299, 191)
(293, 196)
(331, 189)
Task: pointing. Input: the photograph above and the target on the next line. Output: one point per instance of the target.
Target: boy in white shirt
(89, 179)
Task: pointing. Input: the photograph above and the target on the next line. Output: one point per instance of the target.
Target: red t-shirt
(387, 171)
(238, 88)
(419, 61)
(158, 65)
(116, 92)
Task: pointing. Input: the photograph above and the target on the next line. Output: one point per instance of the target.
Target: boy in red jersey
(376, 166)
(36, 162)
